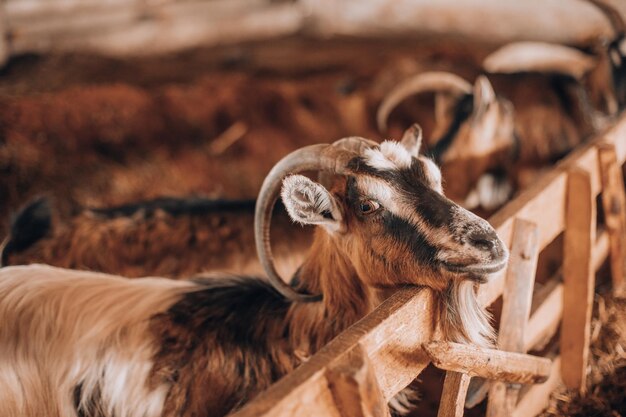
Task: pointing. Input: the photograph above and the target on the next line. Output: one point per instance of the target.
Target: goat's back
(70, 337)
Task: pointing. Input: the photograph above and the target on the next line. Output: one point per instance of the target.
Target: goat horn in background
(613, 16)
(539, 57)
(424, 82)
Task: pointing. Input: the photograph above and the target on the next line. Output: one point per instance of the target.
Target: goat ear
(412, 140)
(308, 202)
(483, 95)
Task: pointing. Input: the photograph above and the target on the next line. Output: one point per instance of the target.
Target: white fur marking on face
(391, 155)
(434, 174)
(380, 191)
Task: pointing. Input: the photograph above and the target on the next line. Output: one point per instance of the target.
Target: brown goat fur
(203, 235)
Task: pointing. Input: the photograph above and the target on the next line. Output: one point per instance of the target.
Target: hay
(606, 380)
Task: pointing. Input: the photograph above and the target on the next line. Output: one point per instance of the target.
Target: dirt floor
(96, 132)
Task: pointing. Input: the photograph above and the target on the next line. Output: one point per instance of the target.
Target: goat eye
(368, 206)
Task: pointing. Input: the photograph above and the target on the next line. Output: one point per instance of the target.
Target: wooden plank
(542, 326)
(389, 336)
(544, 202)
(614, 206)
(537, 397)
(493, 21)
(488, 363)
(453, 394)
(545, 320)
(579, 278)
(517, 298)
(140, 29)
(354, 386)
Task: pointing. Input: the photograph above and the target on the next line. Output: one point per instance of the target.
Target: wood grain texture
(545, 320)
(537, 397)
(138, 27)
(389, 336)
(614, 206)
(544, 202)
(488, 363)
(516, 302)
(488, 20)
(542, 326)
(354, 386)
(453, 394)
(578, 278)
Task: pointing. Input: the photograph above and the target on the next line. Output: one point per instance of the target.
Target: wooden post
(614, 206)
(516, 302)
(579, 278)
(537, 398)
(488, 363)
(453, 395)
(354, 387)
(541, 327)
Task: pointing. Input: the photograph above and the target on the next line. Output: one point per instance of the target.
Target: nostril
(484, 241)
(484, 244)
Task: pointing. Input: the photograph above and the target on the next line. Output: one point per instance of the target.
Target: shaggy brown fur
(151, 238)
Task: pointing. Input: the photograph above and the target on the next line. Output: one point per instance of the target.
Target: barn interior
(136, 135)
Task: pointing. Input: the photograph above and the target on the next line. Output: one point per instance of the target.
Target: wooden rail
(139, 27)
(389, 348)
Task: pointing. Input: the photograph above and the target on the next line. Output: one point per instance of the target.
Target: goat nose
(484, 240)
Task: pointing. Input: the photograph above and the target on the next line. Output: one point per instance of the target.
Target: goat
(602, 72)
(83, 343)
(485, 141)
(170, 237)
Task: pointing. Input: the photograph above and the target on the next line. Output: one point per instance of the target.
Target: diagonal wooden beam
(354, 387)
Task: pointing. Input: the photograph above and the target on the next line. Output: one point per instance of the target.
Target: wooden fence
(365, 366)
(138, 27)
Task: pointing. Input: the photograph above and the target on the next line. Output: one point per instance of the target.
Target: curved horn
(613, 16)
(323, 157)
(427, 81)
(354, 144)
(3, 246)
(539, 57)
